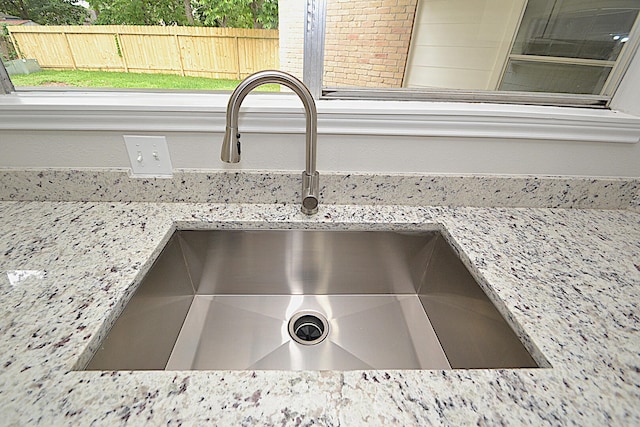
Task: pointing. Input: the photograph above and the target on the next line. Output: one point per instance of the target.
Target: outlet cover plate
(149, 156)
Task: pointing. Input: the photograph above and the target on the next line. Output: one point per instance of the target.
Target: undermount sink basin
(309, 300)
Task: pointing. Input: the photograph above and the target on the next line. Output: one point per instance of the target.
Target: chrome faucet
(231, 143)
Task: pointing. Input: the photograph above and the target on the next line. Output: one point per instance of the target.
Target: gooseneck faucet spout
(231, 143)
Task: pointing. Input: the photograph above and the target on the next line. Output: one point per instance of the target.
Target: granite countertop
(569, 279)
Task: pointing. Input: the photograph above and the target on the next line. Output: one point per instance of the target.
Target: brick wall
(367, 42)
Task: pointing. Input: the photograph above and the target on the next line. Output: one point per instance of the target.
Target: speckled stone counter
(195, 186)
(568, 280)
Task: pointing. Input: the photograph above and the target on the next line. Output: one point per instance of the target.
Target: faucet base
(310, 192)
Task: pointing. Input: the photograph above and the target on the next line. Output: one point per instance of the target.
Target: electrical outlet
(149, 156)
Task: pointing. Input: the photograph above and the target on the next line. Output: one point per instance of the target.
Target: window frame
(313, 72)
(6, 85)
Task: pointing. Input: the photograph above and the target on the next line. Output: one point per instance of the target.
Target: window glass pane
(529, 76)
(576, 28)
(160, 44)
(476, 44)
(455, 44)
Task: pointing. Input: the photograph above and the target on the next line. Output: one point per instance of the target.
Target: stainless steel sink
(300, 299)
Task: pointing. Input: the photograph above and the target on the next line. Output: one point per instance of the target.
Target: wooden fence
(222, 53)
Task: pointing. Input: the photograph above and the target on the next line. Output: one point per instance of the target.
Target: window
(524, 51)
(146, 44)
(554, 51)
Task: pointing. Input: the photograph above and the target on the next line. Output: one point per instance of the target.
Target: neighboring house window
(569, 46)
(540, 51)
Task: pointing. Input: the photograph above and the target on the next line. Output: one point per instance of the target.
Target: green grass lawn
(106, 79)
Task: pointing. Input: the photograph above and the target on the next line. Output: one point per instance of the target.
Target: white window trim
(270, 113)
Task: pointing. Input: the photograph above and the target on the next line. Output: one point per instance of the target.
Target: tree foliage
(237, 13)
(7, 50)
(213, 13)
(140, 12)
(46, 12)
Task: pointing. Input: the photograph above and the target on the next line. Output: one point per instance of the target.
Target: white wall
(354, 153)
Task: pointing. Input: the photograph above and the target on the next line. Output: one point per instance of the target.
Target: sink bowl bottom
(251, 332)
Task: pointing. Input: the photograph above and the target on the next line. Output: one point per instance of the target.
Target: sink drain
(308, 327)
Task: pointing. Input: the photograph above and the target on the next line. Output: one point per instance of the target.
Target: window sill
(130, 111)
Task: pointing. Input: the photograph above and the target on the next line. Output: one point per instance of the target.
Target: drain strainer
(308, 327)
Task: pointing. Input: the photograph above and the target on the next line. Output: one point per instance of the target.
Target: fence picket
(196, 51)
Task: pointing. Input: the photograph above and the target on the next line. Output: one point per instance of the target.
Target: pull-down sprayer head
(230, 146)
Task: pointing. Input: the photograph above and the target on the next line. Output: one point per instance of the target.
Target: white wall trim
(282, 113)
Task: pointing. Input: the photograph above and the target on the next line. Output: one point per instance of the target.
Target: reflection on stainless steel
(231, 143)
(303, 262)
(223, 299)
(145, 333)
